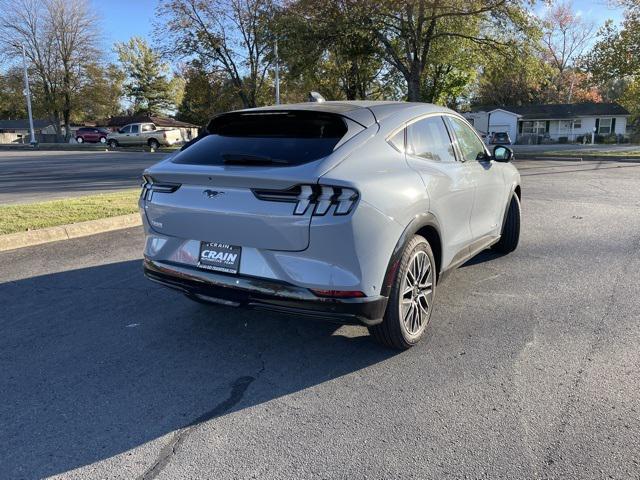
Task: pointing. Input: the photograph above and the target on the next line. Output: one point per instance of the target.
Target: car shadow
(97, 361)
(482, 257)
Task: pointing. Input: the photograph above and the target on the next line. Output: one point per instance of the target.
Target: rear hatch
(245, 183)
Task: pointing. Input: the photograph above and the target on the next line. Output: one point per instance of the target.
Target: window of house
(577, 123)
(428, 138)
(605, 126)
(537, 127)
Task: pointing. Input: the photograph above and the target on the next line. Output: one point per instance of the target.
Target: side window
(429, 139)
(135, 128)
(127, 129)
(148, 127)
(470, 145)
(397, 141)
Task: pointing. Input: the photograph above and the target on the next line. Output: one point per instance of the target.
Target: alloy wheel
(417, 293)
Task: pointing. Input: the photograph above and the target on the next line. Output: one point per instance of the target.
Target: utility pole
(27, 93)
(277, 74)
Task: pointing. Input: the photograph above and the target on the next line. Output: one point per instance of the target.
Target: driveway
(46, 175)
(531, 368)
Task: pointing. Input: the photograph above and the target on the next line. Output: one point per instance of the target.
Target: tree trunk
(413, 86)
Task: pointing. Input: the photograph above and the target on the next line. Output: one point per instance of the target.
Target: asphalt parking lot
(531, 368)
(28, 176)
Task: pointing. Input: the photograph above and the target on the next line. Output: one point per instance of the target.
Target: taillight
(337, 293)
(321, 198)
(149, 185)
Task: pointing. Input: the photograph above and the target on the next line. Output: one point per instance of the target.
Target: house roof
(564, 110)
(159, 121)
(23, 124)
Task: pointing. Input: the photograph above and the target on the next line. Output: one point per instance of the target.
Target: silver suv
(349, 211)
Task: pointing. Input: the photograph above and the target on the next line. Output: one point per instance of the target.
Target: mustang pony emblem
(212, 193)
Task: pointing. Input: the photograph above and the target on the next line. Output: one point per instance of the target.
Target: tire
(80, 140)
(153, 143)
(406, 319)
(112, 143)
(103, 140)
(511, 230)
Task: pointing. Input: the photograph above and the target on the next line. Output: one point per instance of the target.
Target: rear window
(266, 138)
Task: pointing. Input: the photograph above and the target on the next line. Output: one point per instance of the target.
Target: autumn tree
(146, 77)
(229, 36)
(566, 36)
(60, 38)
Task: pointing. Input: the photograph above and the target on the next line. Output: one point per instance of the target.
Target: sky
(123, 19)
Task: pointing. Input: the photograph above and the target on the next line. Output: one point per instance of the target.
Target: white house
(495, 120)
(561, 123)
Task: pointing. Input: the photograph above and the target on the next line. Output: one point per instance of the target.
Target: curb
(577, 158)
(13, 241)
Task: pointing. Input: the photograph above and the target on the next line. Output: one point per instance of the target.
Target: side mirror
(502, 153)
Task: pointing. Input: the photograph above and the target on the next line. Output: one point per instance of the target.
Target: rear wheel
(411, 301)
(153, 143)
(80, 140)
(113, 143)
(103, 140)
(511, 231)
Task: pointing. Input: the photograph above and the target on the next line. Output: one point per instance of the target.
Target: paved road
(45, 175)
(531, 368)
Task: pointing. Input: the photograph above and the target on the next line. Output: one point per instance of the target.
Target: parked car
(91, 135)
(144, 134)
(500, 138)
(350, 211)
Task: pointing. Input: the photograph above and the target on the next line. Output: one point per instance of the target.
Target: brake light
(338, 293)
(149, 185)
(319, 197)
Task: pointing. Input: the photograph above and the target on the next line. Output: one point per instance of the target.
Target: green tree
(101, 92)
(323, 47)
(614, 60)
(517, 80)
(146, 77)
(12, 101)
(205, 95)
(409, 32)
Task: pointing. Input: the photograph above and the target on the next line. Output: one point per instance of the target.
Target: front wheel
(411, 301)
(80, 140)
(113, 143)
(511, 230)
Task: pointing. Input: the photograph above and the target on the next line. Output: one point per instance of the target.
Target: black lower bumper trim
(264, 294)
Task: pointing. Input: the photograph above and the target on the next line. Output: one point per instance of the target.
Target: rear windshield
(266, 138)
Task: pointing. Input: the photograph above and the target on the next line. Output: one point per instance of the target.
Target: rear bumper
(264, 294)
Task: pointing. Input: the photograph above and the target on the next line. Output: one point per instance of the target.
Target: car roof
(365, 112)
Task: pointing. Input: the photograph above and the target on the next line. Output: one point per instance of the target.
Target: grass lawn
(22, 217)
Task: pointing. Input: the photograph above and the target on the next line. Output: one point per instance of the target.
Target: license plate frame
(220, 257)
